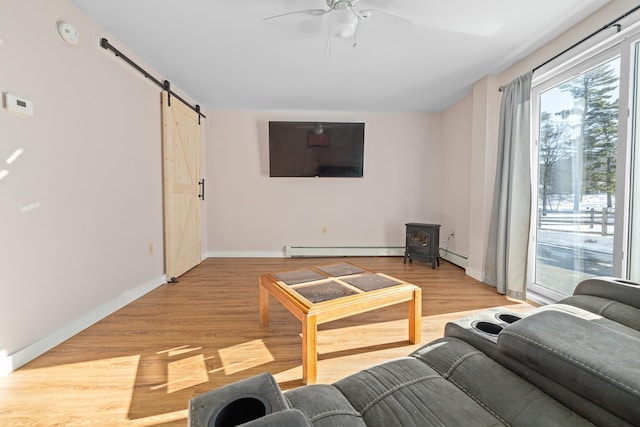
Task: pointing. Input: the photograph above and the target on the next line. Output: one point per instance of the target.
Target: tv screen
(316, 149)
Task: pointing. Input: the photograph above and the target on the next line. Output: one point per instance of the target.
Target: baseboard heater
(335, 251)
(454, 258)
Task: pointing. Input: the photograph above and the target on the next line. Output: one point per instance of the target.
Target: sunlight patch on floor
(290, 375)
(161, 419)
(77, 390)
(177, 351)
(185, 373)
(234, 358)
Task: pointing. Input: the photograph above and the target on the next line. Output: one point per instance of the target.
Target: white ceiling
(224, 56)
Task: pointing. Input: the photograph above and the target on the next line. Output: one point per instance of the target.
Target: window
(634, 214)
(582, 224)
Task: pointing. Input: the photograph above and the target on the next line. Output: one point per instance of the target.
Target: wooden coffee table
(317, 295)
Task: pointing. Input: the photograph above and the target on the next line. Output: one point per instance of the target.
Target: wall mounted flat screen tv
(316, 149)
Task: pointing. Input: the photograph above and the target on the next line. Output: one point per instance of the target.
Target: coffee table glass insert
(343, 269)
(324, 291)
(321, 294)
(299, 276)
(371, 282)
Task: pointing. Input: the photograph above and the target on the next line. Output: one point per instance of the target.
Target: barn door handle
(201, 185)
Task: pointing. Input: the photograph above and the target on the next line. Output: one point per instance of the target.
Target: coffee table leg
(309, 349)
(264, 304)
(415, 317)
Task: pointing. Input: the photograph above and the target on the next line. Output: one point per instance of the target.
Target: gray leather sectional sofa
(574, 363)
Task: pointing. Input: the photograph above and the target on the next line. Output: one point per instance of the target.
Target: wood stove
(422, 243)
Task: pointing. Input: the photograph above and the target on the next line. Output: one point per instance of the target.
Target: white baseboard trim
(9, 363)
(244, 254)
(454, 258)
(331, 251)
(476, 274)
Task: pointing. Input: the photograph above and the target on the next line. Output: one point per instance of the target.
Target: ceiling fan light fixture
(342, 23)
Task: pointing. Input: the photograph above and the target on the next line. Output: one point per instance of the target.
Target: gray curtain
(506, 261)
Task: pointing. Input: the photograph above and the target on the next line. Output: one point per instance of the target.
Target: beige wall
(252, 214)
(456, 164)
(83, 201)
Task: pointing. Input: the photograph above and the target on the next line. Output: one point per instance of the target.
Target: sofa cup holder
(239, 411)
(488, 327)
(241, 402)
(508, 318)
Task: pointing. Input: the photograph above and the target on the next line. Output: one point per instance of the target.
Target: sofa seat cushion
(406, 392)
(595, 361)
(510, 398)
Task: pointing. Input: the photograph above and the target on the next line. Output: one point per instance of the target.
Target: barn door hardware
(201, 189)
(164, 85)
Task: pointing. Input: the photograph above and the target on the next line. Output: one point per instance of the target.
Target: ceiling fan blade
(312, 12)
(366, 14)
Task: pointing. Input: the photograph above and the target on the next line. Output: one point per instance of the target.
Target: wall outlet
(18, 105)
(453, 232)
(150, 248)
(324, 230)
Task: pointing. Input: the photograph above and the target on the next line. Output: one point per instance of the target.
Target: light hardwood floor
(142, 364)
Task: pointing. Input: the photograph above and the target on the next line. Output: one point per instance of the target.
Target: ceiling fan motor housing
(343, 20)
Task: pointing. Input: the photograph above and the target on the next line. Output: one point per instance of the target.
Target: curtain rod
(611, 24)
(166, 85)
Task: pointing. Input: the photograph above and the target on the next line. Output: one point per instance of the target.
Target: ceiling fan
(343, 17)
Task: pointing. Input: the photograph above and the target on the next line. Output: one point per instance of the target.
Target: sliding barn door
(181, 173)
